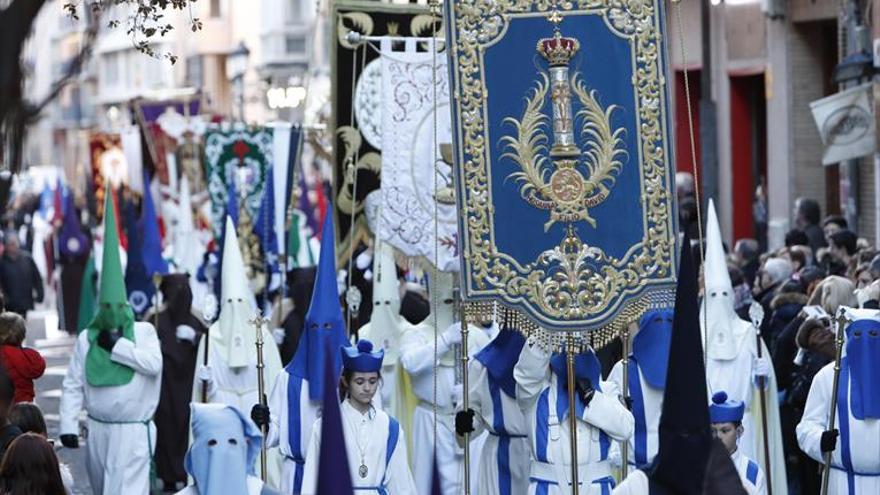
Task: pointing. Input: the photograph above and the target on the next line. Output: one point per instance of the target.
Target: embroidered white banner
(416, 183)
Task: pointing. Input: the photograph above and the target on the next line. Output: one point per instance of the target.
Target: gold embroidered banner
(563, 159)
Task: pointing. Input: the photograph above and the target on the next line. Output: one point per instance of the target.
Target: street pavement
(56, 347)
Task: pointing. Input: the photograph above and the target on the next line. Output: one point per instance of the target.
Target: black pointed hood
(685, 439)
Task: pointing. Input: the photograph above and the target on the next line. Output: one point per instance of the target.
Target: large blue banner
(564, 162)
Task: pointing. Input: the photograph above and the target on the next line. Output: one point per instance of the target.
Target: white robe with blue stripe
(647, 405)
(605, 419)
(504, 459)
(279, 434)
(856, 459)
(750, 473)
(368, 440)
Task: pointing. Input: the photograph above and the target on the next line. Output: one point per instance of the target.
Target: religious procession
(333, 247)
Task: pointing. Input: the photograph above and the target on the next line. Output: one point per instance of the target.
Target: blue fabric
(586, 366)
(231, 198)
(152, 241)
(217, 465)
(503, 454)
(139, 288)
(542, 425)
(333, 470)
(863, 355)
(324, 326)
(752, 472)
(640, 437)
(604, 445)
(723, 410)
(651, 346)
(393, 434)
(542, 487)
(294, 427)
(264, 227)
(361, 358)
(47, 199)
(843, 424)
(607, 484)
(500, 356)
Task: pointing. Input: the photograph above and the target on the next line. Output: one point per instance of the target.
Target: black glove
(260, 415)
(107, 338)
(70, 441)
(464, 422)
(585, 390)
(829, 440)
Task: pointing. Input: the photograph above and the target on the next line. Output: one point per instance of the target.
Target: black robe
(172, 414)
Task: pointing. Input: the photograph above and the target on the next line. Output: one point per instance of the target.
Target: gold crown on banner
(558, 50)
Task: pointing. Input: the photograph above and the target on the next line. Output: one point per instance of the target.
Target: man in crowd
(19, 277)
(115, 375)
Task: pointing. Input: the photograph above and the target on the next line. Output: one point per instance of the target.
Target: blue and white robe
(504, 460)
(290, 428)
(546, 409)
(855, 462)
(750, 473)
(376, 450)
(647, 405)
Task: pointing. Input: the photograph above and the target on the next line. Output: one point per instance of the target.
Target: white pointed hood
(722, 330)
(232, 336)
(385, 322)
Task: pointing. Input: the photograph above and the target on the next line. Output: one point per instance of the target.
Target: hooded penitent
(442, 294)
(499, 358)
(232, 336)
(684, 437)
(224, 447)
(113, 311)
(651, 346)
(72, 241)
(586, 367)
(385, 320)
(862, 363)
(723, 331)
(324, 326)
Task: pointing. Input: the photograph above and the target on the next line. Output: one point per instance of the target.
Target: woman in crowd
(30, 467)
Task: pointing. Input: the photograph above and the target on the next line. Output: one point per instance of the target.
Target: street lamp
(236, 67)
(855, 67)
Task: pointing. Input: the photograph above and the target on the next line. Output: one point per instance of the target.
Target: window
(214, 8)
(111, 69)
(295, 44)
(194, 71)
(294, 14)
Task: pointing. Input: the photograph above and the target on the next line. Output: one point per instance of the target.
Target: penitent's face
(728, 433)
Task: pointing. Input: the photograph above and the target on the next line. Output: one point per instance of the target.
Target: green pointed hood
(111, 289)
(113, 310)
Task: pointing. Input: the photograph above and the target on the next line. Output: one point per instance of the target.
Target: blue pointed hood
(324, 324)
(152, 242)
(651, 346)
(500, 356)
(72, 241)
